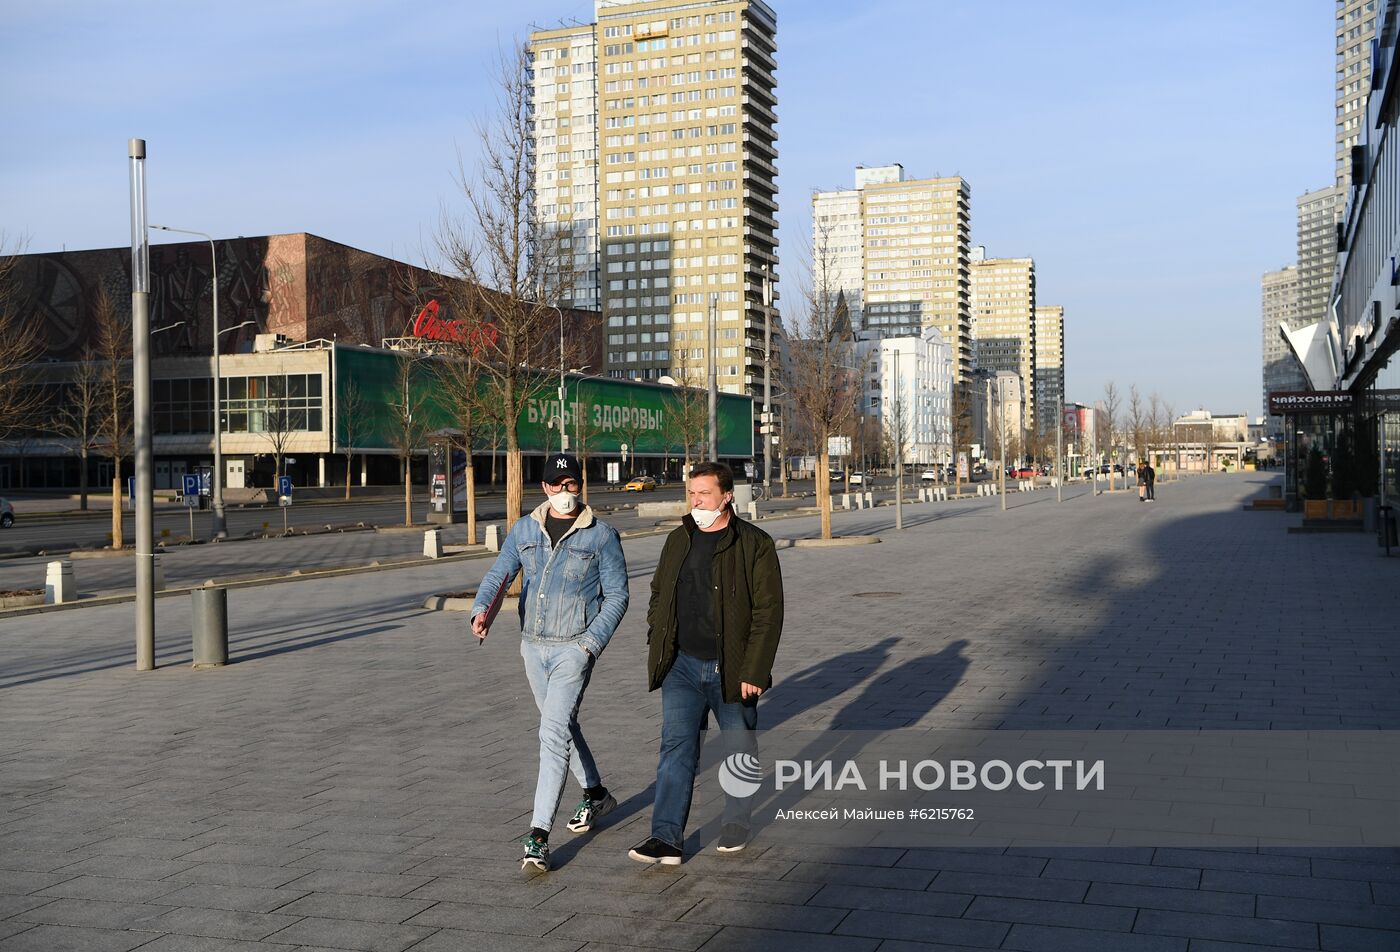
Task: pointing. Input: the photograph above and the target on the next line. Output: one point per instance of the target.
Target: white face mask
(564, 502)
(704, 518)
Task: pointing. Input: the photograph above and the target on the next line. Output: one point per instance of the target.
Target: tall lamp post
(713, 383)
(563, 433)
(141, 409)
(767, 420)
(220, 524)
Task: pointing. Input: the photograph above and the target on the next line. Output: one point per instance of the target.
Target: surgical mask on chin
(564, 502)
(704, 518)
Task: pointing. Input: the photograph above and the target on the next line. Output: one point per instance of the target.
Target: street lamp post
(767, 426)
(713, 385)
(900, 412)
(220, 525)
(563, 436)
(141, 409)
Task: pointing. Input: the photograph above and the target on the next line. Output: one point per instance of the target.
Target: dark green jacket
(748, 605)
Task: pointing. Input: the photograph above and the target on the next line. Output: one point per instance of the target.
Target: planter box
(1331, 509)
(1316, 508)
(1345, 509)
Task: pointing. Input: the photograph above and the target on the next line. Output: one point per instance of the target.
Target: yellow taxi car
(640, 484)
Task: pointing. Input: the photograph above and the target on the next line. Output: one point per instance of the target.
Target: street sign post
(189, 491)
(284, 498)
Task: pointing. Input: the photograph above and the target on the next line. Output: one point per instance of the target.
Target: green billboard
(600, 414)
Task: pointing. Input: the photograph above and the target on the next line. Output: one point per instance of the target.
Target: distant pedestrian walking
(1149, 474)
(1142, 482)
(572, 599)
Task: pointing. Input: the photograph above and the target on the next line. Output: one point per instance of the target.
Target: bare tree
(896, 415)
(408, 409)
(279, 423)
(509, 265)
(20, 347)
(824, 382)
(1113, 419)
(689, 418)
(1169, 426)
(350, 412)
(1137, 422)
(77, 418)
(458, 374)
(112, 349)
(962, 427)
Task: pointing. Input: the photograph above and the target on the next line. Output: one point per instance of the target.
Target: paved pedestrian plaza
(358, 778)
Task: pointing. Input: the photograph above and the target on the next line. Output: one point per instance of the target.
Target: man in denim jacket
(572, 598)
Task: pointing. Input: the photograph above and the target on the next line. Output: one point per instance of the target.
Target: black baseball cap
(562, 466)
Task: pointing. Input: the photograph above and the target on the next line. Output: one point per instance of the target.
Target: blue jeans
(558, 676)
(691, 688)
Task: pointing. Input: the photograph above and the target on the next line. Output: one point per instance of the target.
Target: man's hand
(747, 690)
(479, 627)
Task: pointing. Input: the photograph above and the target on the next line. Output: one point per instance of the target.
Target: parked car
(639, 484)
(930, 476)
(7, 514)
(857, 479)
(836, 475)
(1025, 472)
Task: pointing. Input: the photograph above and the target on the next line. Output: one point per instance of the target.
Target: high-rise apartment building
(1281, 370)
(1049, 364)
(1317, 251)
(1003, 320)
(564, 99)
(1355, 31)
(684, 172)
(914, 236)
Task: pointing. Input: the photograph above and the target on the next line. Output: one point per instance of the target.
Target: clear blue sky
(1146, 155)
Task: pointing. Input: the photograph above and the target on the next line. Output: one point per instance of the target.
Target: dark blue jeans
(692, 687)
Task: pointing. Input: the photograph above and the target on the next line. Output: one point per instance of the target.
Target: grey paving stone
(740, 939)
(1350, 939)
(893, 925)
(230, 898)
(92, 913)
(1077, 915)
(358, 936)
(1230, 928)
(197, 943)
(683, 936)
(70, 939)
(458, 940)
(1299, 887)
(1179, 900)
(523, 895)
(1033, 938)
(861, 875)
(216, 923)
(765, 915)
(475, 918)
(1128, 873)
(1329, 911)
(360, 884)
(115, 890)
(846, 896)
(21, 883)
(1021, 887)
(233, 874)
(368, 908)
(125, 867)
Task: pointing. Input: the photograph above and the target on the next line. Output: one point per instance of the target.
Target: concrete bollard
(210, 627)
(860, 500)
(159, 572)
(870, 500)
(753, 512)
(432, 544)
(59, 584)
(493, 538)
(845, 500)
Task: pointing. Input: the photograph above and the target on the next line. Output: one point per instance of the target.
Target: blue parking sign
(284, 487)
(191, 484)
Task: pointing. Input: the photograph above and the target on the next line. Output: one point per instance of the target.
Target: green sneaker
(589, 812)
(536, 853)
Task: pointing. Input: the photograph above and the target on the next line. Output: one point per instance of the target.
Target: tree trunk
(824, 487)
(408, 491)
(349, 465)
(117, 541)
(83, 480)
(470, 476)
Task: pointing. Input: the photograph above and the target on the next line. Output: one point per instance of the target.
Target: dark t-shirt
(695, 597)
(557, 526)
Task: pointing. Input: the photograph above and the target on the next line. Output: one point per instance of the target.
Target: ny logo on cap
(561, 462)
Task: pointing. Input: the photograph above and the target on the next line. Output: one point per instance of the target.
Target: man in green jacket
(714, 621)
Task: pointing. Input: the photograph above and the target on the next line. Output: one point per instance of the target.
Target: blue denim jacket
(576, 592)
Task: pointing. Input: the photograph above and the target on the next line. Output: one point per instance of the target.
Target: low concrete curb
(831, 543)
(463, 601)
